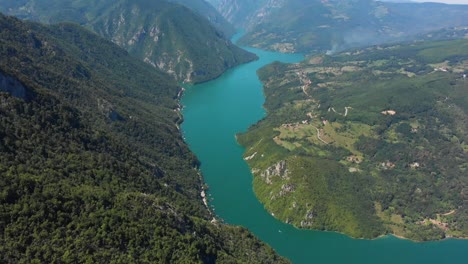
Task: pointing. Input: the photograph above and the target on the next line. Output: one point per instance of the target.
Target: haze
(459, 2)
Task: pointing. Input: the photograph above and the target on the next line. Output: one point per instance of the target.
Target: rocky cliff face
(176, 41)
(277, 170)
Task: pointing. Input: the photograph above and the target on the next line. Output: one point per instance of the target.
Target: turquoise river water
(214, 112)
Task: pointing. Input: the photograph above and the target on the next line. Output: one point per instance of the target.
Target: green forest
(367, 142)
(166, 35)
(93, 168)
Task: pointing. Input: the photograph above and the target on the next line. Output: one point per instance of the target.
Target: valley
(226, 169)
(328, 131)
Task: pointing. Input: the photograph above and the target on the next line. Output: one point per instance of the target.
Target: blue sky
(445, 1)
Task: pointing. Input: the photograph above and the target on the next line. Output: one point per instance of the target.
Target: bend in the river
(214, 112)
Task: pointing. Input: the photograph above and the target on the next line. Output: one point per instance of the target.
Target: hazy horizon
(460, 2)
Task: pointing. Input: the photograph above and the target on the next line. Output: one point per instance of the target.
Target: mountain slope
(92, 165)
(238, 12)
(316, 25)
(203, 8)
(168, 36)
(367, 142)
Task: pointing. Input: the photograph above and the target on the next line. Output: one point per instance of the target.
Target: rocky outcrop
(107, 109)
(287, 188)
(278, 170)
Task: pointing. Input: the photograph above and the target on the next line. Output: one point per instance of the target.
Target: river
(214, 112)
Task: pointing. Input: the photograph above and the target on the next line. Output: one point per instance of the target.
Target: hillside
(367, 142)
(238, 12)
(203, 8)
(93, 167)
(168, 36)
(309, 26)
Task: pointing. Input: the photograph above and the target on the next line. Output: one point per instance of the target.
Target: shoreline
(382, 236)
(303, 244)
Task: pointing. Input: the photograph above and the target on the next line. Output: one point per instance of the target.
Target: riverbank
(214, 113)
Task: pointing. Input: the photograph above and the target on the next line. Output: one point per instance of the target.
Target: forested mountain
(239, 12)
(333, 25)
(205, 9)
(93, 168)
(367, 142)
(168, 36)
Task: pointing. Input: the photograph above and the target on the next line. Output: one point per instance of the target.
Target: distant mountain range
(167, 35)
(332, 25)
(397, 1)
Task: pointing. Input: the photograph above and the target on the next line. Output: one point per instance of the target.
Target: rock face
(279, 170)
(171, 38)
(107, 109)
(287, 188)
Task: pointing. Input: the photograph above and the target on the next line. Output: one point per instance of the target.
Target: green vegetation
(203, 8)
(168, 36)
(93, 168)
(367, 142)
(237, 12)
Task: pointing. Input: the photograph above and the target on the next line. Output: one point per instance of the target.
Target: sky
(465, 2)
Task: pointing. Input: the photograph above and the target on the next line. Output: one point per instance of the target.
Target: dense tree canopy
(93, 168)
